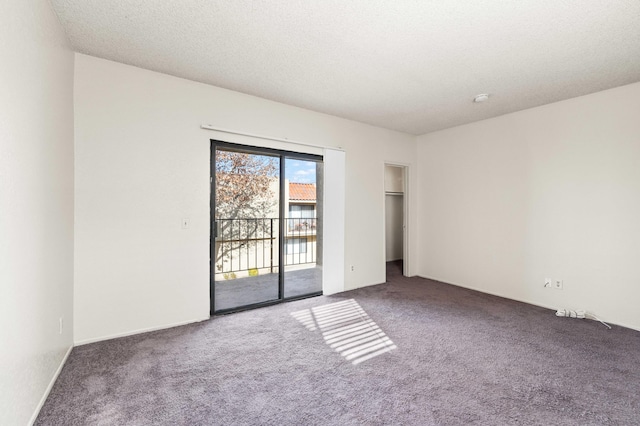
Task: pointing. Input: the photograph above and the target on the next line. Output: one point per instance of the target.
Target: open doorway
(395, 219)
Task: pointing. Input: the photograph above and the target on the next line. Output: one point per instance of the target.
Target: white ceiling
(412, 66)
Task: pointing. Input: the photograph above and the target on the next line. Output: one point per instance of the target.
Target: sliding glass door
(266, 226)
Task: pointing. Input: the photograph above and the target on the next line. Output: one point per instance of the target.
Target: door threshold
(263, 304)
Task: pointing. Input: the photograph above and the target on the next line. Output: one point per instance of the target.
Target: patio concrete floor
(262, 288)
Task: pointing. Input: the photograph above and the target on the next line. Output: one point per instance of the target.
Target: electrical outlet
(547, 283)
(557, 284)
(353, 268)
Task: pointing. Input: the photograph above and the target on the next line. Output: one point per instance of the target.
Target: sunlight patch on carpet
(347, 329)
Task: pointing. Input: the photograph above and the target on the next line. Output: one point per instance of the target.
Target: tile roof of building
(302, 191)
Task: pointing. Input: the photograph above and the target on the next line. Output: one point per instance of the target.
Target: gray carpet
(449, 356)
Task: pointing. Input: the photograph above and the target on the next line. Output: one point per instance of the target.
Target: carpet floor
(407, 352)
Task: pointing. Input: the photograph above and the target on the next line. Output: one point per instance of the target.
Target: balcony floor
(262, 288)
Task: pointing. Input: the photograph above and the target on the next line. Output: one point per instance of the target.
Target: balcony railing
(252, 244)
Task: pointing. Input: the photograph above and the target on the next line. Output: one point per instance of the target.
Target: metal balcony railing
(252, 244)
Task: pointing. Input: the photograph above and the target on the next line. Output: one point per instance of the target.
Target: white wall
(333, 218)
(36, 205)
(550, 192)
(142, 164)
(393, 226)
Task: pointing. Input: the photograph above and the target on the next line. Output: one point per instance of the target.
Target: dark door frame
(283, 155)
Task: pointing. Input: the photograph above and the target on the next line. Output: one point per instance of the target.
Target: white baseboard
(34, 416)
(528, 302)
(139, 331)
(364, 285)
(492, 293)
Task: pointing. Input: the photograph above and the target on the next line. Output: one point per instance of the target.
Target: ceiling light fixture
(481, 98)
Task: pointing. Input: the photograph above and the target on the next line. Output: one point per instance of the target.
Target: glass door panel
(246, 229)
(302, 227)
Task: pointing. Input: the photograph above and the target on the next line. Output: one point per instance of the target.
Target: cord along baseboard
(580, 314)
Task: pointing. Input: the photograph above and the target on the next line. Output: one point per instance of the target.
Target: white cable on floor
(579, 314)
(570, 314)
(603, 323)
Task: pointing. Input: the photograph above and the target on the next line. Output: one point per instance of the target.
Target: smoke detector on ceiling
(481, 98)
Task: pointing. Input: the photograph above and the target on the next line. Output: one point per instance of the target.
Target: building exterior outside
(301, 224)
(251, 244)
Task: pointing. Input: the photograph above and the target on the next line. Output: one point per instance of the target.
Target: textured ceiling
(412, 66)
